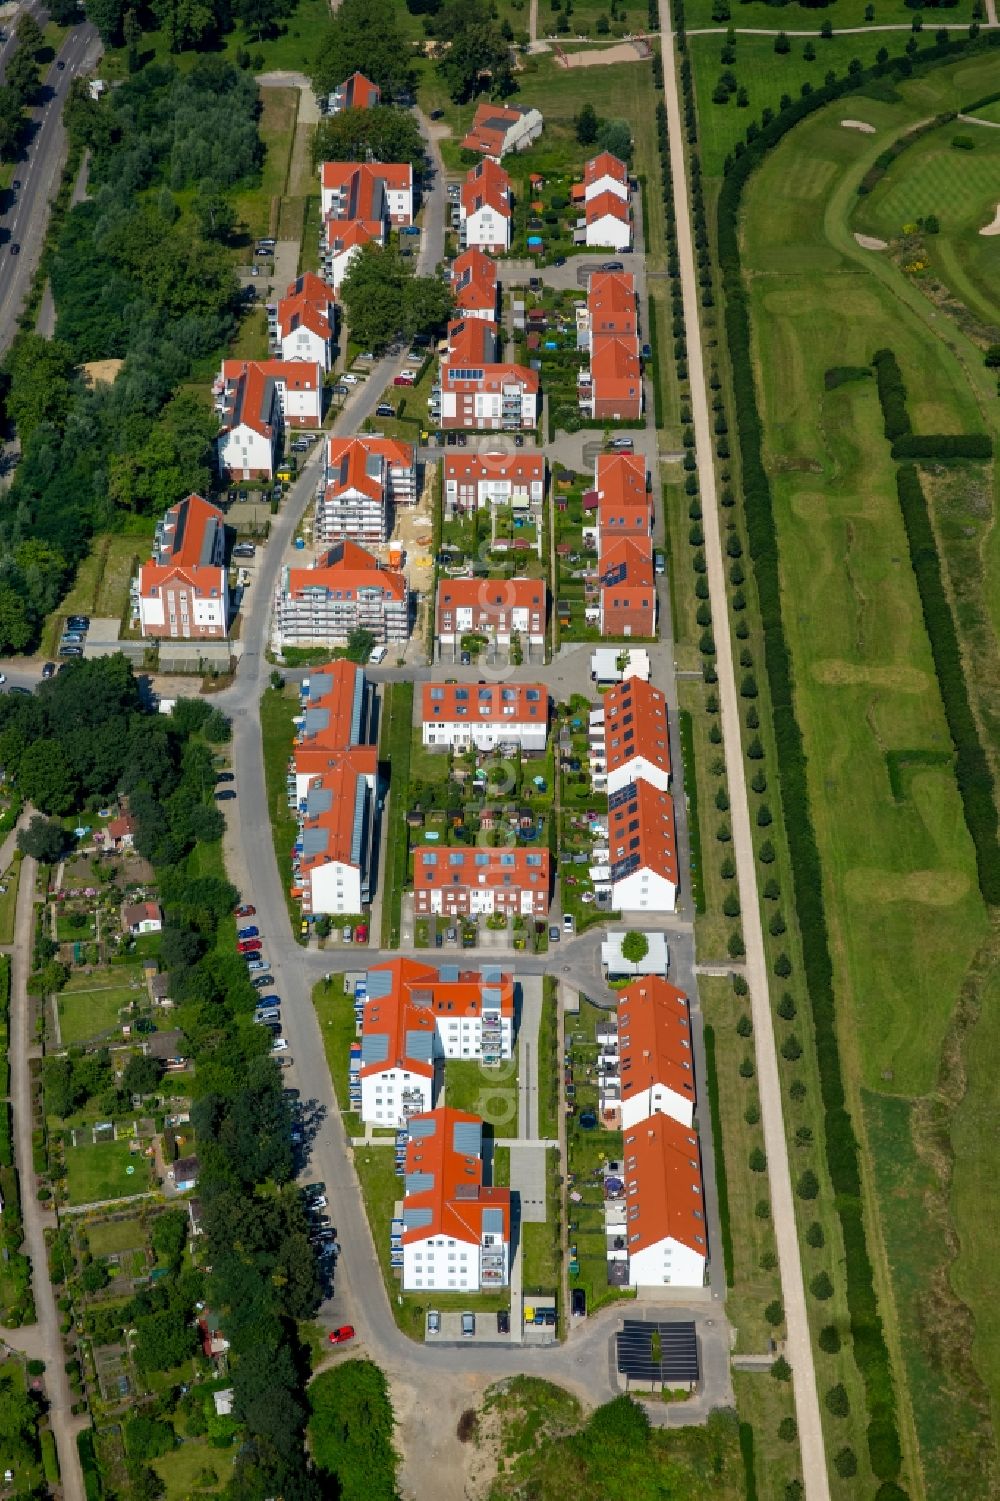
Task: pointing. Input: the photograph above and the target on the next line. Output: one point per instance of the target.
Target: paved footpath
(799, 1348)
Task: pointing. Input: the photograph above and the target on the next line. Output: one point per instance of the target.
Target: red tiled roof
(457, 1198)
(363, 463)
(489, 703)
(611, 302)
(614, 366)
(492, 596)
(635, 715)
(654, 1038)
(605, 165)
(662, 1172)
(487, 184)
(347, 567)
(607, 203)
(653, 842)
(528, 467)
(493, 869)
(474, 279)
(490, 125)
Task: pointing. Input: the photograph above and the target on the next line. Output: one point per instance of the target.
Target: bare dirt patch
(870, 242)
(104, 371)
(625, 52)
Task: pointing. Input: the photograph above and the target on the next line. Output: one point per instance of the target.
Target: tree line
(139, 273)
(19, 89)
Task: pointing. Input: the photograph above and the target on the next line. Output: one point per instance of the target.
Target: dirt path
(65, 1425)
(798, 1345)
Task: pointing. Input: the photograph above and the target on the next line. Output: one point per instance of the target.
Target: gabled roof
(635, 724)
(663, 1188)
(490, 125)
(492, 597)
(443, 1182)
(654, 1039)
(611, 301)
(614, 365)
(249, 395)
(397, 1034)
(641, 832)
(626, 564)
(529, 468)
(472, 341)
(347, 567)
(485, 703)
(606, 204)
(605, 165)
(358, 92)
(333, 824)
(621, 478)
(312, 286)
(486, 185)
(486, 869)
(333, 710)
(362, 464)
(474, 279)
(189, 533)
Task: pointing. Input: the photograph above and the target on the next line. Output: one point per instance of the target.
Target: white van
(379, 654)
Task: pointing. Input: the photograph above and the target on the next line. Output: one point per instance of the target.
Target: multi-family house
(456, 1229)
(655, 1060)
(611, 308)
(605, 173)
(629, 737)
(607, 222)
(365, 478)
(303, 323)
(611, 389)
(474, 285)
(359, 201)
(479, 882)
(627, 589)
(346, 590)
(666, 1235)
(485, 715)
(476, 390)
(183, 590)
(473, 481)
(356, 92)
(498, 609)
(641, 874)
(498, 129)
(486, 208)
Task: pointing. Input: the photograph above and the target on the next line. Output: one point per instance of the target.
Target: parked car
(569, 926)
(255, 964)
(613, 266)
(405, 379)
(361, 933)
(578, 1302)
(350, 379)
(385, 409)
(268, 1014)
(433, 1321)
(554, 934)
(249, 946)
(468, 1325)
(622, 445)
(78, 622)
(48, 671)
(245, 910)
(379, 654)
(225, 776)
(259, 981)
(225, 795)
(72, 638)
(279, 1045)
(248, 933)
(503, 1321)
(342, 1335)
(660, 562)
(69, 651)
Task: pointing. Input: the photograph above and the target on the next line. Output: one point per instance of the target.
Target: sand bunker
(932, 888)
(869, 130)
(994, 228)
(869, 242)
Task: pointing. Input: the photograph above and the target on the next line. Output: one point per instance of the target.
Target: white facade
(205, 616)
(518, 619)
(638, 769)
(305, 344)
(483, 903)
(666, 1263)
(644, 890)
(462, 1036)
(609, 232)
(658, 1099)
(490, 491)
(485, 735)
(440, 1263)
(606, 184)
(338, 263)
(389, 1096)
(487, 228)
(244, 451)
(302, 406)
(513, 407)
(335, 888)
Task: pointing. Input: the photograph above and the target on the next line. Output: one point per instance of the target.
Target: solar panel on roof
(449, 973)
(419, 1126)
(419, 1045)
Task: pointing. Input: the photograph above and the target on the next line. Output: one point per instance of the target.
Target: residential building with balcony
(630, 738)
(486, 208)
(642, 872)
(183, 589)
(655, 1060)
(478, 882)
(665, 1221)
(356, 92)
(611, 389)
(365, 478)
(474, 285)
(498, 129)
(605, 173)
(473, 481)
(303, 323)
(485, 715)
(495, 608)
(456, 1229)
(611, 308)
(347, 589)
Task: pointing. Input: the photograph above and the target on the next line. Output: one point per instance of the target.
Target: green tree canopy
(364, 36)
(385, 134)
(635, 946)
(383, 298)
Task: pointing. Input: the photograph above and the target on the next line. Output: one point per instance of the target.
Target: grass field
(962, 189)
(84, 1014)
(188, 1470)
(99, 1172)
(799, 17)
(277, 709)
(990, 112)
(111, 1236)
(258, 206)
(8, 901)
(293, 49)
(907, 924)
(102, 579)
(766, 76)
(488, 1092)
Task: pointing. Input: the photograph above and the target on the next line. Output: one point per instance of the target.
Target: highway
(23, 220)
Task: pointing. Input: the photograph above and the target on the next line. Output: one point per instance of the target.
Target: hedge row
(747, 1455)
(841, 375)
(88, 1463)
(6, 1140)
(972, 771)
(891, 395)
(943, 446)
(721, 1181)
(843, 1156)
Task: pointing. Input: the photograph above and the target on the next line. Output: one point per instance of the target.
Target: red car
(342, 1335)
(404, 380)
(250, 946)
(361, 933)
(245, 911)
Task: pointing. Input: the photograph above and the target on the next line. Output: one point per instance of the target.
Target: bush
(725, 1224)
(791, 1048)
(815, 1236)
(781, 1370)
(891, 395)
(943, 446)
(808, 1185)
(821, 1287)
(774, 1313)
(786, 1007)
(788, 1430)
(845, 1463)
(837, 1401)
(758, 1160)
(829, 1339)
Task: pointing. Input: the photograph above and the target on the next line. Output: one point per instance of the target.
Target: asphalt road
(23, 222)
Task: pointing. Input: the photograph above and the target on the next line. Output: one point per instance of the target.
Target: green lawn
(487, 1092)
(989, 112)
(110, 1236)
(908, 930)
(8, 901)
(277, 710)
(102, 578)
(962, 189)
(800, 17)
(99, 1172)
(394, 747)
(766, 76)
(194, 1469)
(91, 1013)
(335, 1013)
(293, 49)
